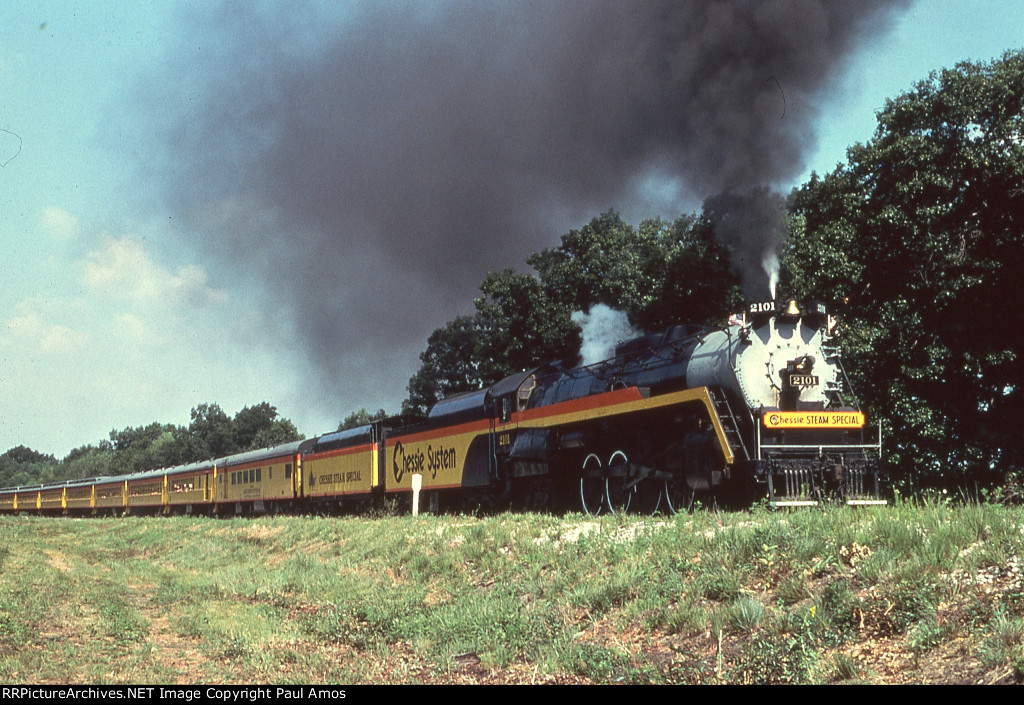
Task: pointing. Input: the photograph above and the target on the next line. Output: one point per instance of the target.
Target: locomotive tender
(758, 408)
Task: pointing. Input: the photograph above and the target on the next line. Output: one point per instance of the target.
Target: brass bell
(792, 308)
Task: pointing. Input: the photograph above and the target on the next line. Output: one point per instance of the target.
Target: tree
(259, 426)
(694, 282)
(361, 418)
(87, 461)
(280, 431)
(521, 326)
(920, 236)
(211, 434)
(208, 436)
(23, 455)
(23, 466)
(449, 365)
(142, 448)
(607, 261)
(658, 274)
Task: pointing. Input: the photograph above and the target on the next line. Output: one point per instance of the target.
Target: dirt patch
(58, 561)
(616, 534)
(262, 532)
(180, 655)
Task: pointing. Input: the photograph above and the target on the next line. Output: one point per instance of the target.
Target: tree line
(210, 434)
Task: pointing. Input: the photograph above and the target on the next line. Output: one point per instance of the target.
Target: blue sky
(107, 321)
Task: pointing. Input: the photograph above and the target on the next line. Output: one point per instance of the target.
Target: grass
(909, 593)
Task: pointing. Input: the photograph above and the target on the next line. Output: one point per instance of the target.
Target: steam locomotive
(760, 408)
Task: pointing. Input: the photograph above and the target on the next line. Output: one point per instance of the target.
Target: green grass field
(900, 594)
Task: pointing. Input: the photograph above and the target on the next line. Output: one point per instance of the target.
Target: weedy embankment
(911, 593)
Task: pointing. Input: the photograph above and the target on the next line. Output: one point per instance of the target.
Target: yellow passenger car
(189, 488)
(146, 491)
(9, 499)
(258, 481)
(111, 495)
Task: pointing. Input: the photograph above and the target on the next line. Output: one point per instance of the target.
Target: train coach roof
(158, 472)
(468, 406)
(58, 484)
(254, 456)
(345, 434)
(341, 439)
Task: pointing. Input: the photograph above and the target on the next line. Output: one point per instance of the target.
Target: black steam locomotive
(761, 407)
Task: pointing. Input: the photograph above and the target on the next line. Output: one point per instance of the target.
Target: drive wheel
(649, 497)
(677, 495)
(619, 497)
(592, 486)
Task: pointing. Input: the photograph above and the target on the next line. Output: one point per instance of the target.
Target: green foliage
(212, 433)
(659, 274)
(208, 436)
(771, 659)
(920, 238)
(24, 466)
(88, 461)
(607, 261)
(259, 426)
(521, 325)
(450, 365)
(745, 614)
(142, 448)
(696, 283)
(1003, 644)
(23, 455)
(361, 418)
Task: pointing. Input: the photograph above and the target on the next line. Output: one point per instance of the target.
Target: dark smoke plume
(752, 224)
(368, 164)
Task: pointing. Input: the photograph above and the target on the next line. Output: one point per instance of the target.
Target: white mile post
(417, 482)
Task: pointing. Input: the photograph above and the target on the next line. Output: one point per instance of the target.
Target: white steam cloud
(603, 329)
(770, 264)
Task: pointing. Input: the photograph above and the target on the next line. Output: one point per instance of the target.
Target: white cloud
(33, 326)
(123, 269)
(60, 222)
(133, 329)
(114, 338)
(62, 339)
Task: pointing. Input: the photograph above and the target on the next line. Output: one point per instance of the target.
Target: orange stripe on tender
(622, 401)
(366, 447)
(442, 432)
(575, 406)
